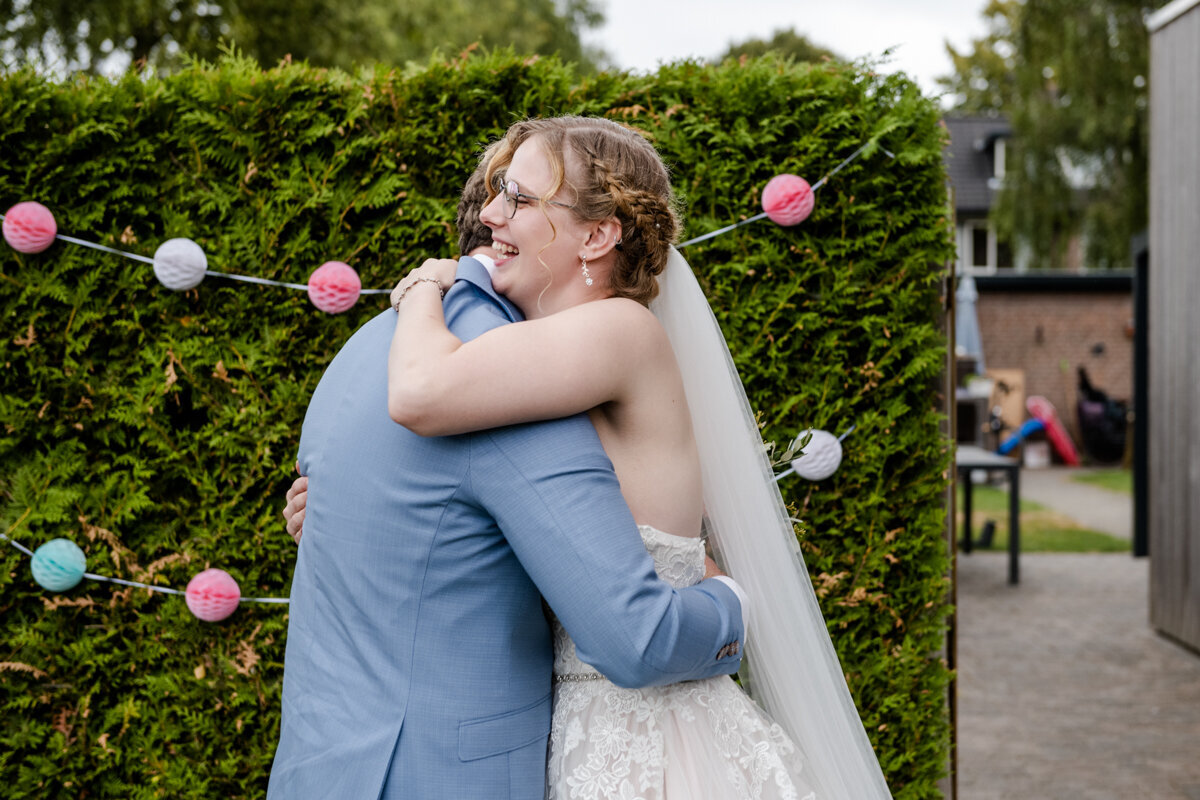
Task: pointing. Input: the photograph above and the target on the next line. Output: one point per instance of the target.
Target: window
(1004, 254)
(999, 156)
(981, 251)
(979, 246)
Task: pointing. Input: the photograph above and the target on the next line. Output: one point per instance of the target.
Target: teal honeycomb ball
(58, 565)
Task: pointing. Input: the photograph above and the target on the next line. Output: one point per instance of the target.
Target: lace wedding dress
(687, 741)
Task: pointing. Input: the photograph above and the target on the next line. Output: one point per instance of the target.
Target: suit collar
(473, 272)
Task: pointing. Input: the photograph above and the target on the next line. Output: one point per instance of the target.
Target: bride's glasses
(513, 196)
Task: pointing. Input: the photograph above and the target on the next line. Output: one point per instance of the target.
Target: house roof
(1169, 13)
(969, 159)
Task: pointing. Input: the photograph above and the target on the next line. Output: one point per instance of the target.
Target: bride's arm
(562, 364)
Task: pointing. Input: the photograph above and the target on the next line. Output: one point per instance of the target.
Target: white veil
(796, 676)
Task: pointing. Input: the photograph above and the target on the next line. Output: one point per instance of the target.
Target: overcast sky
(640, 34)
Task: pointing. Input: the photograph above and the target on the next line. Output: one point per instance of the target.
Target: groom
(418, 657)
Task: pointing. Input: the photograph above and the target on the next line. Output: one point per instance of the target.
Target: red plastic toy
(1043, 411)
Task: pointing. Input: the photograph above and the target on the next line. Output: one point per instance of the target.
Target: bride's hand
(441, 270)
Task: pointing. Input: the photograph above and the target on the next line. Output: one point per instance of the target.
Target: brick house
(1044, 323)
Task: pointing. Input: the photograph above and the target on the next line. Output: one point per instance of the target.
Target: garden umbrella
(967, 339)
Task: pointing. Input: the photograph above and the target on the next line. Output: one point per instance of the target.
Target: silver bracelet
(434, 281)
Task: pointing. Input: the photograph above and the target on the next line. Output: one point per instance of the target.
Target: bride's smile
(505, 250)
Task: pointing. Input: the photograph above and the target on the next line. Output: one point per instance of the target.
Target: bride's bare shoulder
(616, 313)
(623, 323)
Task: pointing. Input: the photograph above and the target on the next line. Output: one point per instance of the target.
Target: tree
(786, 42)
(61, 36)
(983, 81)
(1072, 79)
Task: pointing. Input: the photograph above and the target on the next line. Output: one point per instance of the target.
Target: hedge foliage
(158, 429)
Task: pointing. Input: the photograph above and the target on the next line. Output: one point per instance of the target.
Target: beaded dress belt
(572, 677)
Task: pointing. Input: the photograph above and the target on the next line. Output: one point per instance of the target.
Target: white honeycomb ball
(821, 457)
(179, 264)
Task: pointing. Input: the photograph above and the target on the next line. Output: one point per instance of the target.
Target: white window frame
(999, 162)
(966, 249)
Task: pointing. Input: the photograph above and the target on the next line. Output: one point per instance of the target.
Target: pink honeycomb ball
(29, 227)
(212, 595)
(334, 287)
(787, 199)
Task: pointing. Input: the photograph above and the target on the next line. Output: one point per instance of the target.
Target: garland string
(304, 287)
(139, 585)
(763, 215)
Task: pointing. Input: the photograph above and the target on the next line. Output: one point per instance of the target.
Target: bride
(582, 220)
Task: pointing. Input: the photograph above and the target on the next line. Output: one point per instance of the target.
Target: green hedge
(158, 429)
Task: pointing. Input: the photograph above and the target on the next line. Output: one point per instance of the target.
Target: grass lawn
(1042, 530)
(1114, 480)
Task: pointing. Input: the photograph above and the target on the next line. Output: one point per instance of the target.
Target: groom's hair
(472, 232)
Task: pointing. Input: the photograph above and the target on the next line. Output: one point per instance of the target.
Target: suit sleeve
(554, 494)
(552, 491)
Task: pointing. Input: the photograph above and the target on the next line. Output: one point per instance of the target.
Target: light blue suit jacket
(418, 658)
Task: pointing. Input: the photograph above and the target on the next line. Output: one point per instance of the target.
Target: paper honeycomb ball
(821, 457)
(787, 199)
(334, 287)
(179, 264)
(58, 565)
(212, 595)
(29, 227)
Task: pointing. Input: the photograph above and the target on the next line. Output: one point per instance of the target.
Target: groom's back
(417, 657)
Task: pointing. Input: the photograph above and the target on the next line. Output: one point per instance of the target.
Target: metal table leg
(1014, 524)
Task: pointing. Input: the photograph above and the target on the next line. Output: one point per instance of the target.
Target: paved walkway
(1092, 507)
(1064, 690)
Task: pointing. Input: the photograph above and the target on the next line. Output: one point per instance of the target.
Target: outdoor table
(970, 457)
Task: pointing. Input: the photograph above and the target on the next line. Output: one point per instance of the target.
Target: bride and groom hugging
(567, 459)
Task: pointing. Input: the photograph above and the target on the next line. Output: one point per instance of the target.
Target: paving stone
(1064, 689)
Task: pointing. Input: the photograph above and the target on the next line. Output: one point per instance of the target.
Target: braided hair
(612, 171)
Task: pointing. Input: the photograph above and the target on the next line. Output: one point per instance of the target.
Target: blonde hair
(612, 172)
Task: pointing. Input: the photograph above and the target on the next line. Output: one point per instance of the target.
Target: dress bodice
(678, 560)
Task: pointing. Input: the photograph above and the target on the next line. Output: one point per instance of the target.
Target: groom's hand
(293, 512)
(711, 570)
